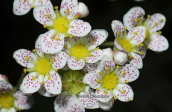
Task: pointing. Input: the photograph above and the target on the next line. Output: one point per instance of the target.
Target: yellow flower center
(6, 101)
(125, 44)
(61, 24)
(43, 66)
(109, 81)
(79, 51)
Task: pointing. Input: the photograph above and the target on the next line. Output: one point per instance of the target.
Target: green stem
(20, 81)
(107, 44)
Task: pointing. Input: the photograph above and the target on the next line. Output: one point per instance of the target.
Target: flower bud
(108, 52)
(3, 77)
(82, 10)
(120, 57)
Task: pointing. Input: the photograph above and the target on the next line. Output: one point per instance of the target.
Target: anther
(43, 82)
(65, 46)
(125, 28)
(123, 72)
(76, 17)
(4, 92)
(148, 16)
(48, 15)
(116, 39)
(77, 59)
(97, 89)
(53, 59)
(24, 70)
(49, 78)
(71, 36)
(94, 40)
(105, 40)
(90, 55)
(27, 58)
(33, 50)
(84, 60)
(105, 92)
(136, 20)
(135, 33)
(45, 26)
(147, 47)
(14, 90)
(123, 91)
(107, 68)
(67, 11)
(25, 0)
(141, 52)
(57, 38)
(117, 66)
(141, 44)
(160, 32)
(52, 37)
(155, 23)
(19, 109)
(115, 98)
(127, 81)
(100, 72)
(56, 70)
(140, 18)
(33, 78)
(69, 54)
(97, 48)
(118, 32)
(32, 7)
(56, 7)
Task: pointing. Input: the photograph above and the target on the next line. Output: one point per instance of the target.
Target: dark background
(152, 90)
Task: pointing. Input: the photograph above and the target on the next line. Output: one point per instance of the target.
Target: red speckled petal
(158, 43)
(5, 86)
(91, 67)
(103, 97)
(38, 45)
(90, 78)
(21, 7)
(125, 97)
(79, 28)
(23, 102)
(60, 60)
(159, 19)
(75, 106)
(137, 61)
(49, 45)
(29, 85)
(100, 35)
(20, 56)
(71, 5)
(89, 102)
(105, 62)
(131, 73)
(118, 45)
(54, 85)
(142, 48)
(75, 65)
(96, 56)
(117, 26)
(40, 12)
(107, 105)
(130, 17)
(139, 38)
(43, 2)
(44, 92)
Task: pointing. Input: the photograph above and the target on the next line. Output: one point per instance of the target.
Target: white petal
(29, 85)
(40, 14)
(61, 102)
(21, 7)
(44, 92)
(107, 105)
(108, 52)
(71, 5)
(75, 106)
(20, 56)
(158, 43)
(95, 56)
(21, 90)
(139, 38)
(43, 2)
(130, 17)
(137, 61)
(127, 96)
(91, 79)
(3, 77)
(5, 86)
(118, 45)
(74, 64)
(60, 60)
(23, 102)
(54, 85)
(103, 97)
(82, 10)
(117, 26)
(49, 45)
(159, 19)
(131, 73)
(79, 28)
(105, 62)
(3, 110)
(38, 45)
(142, 48)
(12, 109)
(91, 67)
(65, 68)
(88, 100)
(99, 35)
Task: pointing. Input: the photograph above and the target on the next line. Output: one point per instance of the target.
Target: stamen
(33, 78)
(148, 16)
(108, 68)
(147, 47)
(45, 26)
(52, 37)
(123, 91)
(32, 6)
(57, 39)
(33, 50)
(56, 7)
(69, 54)
(19, 109)
(43, 82)
(115, 98)
(24, 70)
(141, 52)
(84, 40)
(14, 89)
(56, 70)
(123, 72)
(135, 33)
(117, 66)
(48, 15)
(84, 60)
(93, 40)
(140, 18)
(136, 20)
(89, 55)
(125, 28)
(97, 80)
(53, 59)
(27, 58)
(160, 32)
(105, 40)
(118, 32)
(105, 92)
(77, 59)
(141, 44)
(155, 23)
(4, 92)
(100, 72)
(97, 48)
(127, 81)
(97, 89)
(25, 0)
(65, 46)
(49, 78)
(68, 11)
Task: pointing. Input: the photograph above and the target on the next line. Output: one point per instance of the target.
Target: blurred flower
(153, 40)
(110, 80)
(42, 68)
(61, 24)
(84, 50)
(3, 77)
(130, 42)
(22, 7)
(120, 57)
(12, 101)
(82, 10)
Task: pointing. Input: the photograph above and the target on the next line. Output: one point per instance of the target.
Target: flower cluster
(67, 62)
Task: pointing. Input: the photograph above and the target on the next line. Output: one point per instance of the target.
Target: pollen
(43, 82)
(32, 6)
(136, 20)
(100, 72)
(115, 98)
(57, 38)
(65, 46)
(53, 59)
(141, 52)
(76, 17)
(94, 40)
(123, 72)
(97, 89)
(127, 81)
(97, 48)
(97, 80)
(33, 50)
(24, 70)
(148, 16)
(140, 18)
(135, 33)
(71, 36)
(77, 59)
(84, 60)
(105, 92)
(56, 70)
(123, 91)
(48, 15)
(45, 26)
(117, 66)
(67, 11)
(33, 78)
(52, 37)
(27, 58)
(125, 28)
(155, 23)
(56, 7)
(107, 68)
(79, 51)
(49, 78)
(90, 55)
(160, 32)
(118, 32)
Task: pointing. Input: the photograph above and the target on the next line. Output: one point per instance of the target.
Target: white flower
(12, 101)
(42, 68)
(153, 40)
(110, 80)
(3, 77)
(120, 57)
(22, 7)
(108, 52)
(61, 24)
(130, 42)
(83, 50)
(82, 10)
